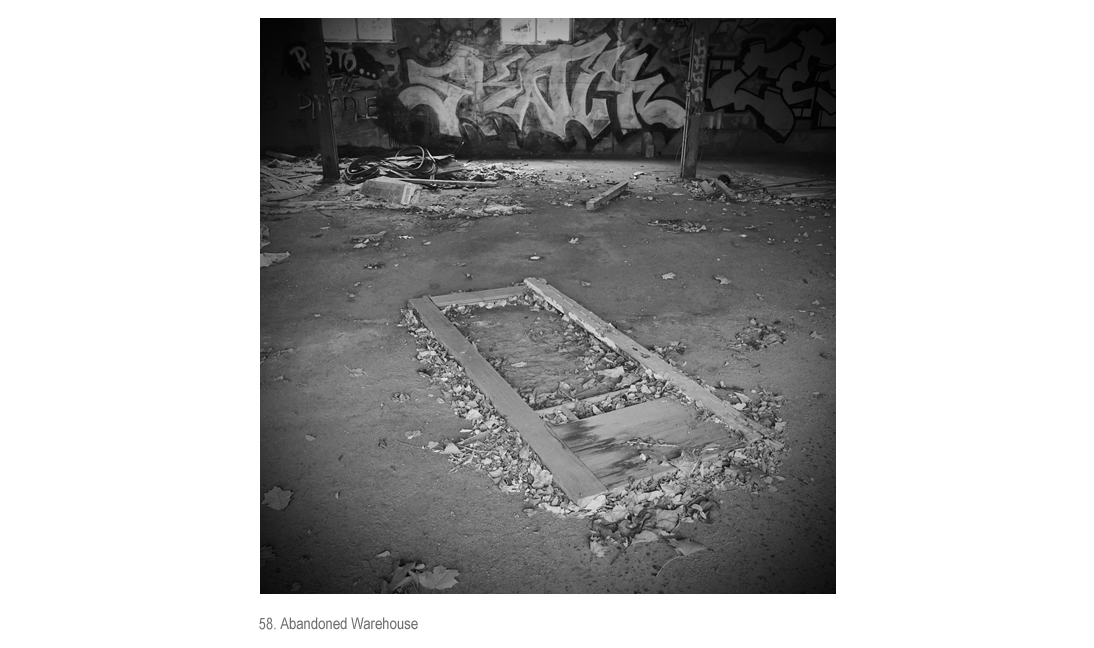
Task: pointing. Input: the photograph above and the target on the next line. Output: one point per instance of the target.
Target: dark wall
(771, 86)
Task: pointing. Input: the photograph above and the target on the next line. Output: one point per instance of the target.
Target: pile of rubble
(677, 225)
(479, 171)
(652, 509)
(758, 335)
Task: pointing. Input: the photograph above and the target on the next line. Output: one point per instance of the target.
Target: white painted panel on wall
(518, 30)
(375, 30)
(552, 29)
(339, 29)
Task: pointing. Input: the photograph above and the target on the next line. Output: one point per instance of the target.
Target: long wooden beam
(571, 475)
(605, 197)
(479, 296)
(611, 336)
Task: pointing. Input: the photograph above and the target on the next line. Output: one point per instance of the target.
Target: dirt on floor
(750, 302)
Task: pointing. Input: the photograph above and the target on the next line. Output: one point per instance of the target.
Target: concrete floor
(337, 316)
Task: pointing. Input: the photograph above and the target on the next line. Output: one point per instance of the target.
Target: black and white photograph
(546, 313)
(548, 305)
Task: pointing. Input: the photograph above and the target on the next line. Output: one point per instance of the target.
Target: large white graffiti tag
(519, 82)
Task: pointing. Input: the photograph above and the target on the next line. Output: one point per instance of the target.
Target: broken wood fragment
(284, 157)
(468, 298)
(726, 191)
(606, 197)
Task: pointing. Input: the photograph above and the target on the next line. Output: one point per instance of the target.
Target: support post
(317, 61)
(697, 92)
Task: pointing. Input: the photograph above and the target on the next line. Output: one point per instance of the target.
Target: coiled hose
(419, 164)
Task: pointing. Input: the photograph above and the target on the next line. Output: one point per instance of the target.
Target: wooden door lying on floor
(594, 455)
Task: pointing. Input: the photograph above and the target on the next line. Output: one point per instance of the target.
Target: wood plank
(601, 441)
(571, 475)
(726, 191)
(455, 183)
(605, 198)
(611, 336)
(478, 296)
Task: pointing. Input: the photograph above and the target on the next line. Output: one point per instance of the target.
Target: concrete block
(391, 190)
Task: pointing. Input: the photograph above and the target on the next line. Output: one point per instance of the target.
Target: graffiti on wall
(618, 76)
(781, 85)
(567, 84)
(348, 61)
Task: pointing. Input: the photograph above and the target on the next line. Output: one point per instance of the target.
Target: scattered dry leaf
(438, 579)
(686, 547)
(276, 498)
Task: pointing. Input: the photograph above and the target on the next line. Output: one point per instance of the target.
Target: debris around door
(682, 481)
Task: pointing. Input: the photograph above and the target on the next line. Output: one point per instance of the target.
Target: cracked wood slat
(604, 198)
(611, 336)
(464, 298)
(571, 475)
(601, 441)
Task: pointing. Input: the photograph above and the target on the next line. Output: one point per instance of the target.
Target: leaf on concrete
(383, 555)
(722, 280)
(669, 275)
(686, 547)
(309, 437)
(451, 449)
(542, 478)
(666, 520)
(438, 579)
(645, 536)
(598, 548)
(399, 579)
(596, 502)
(276, 498)
(615, 515)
